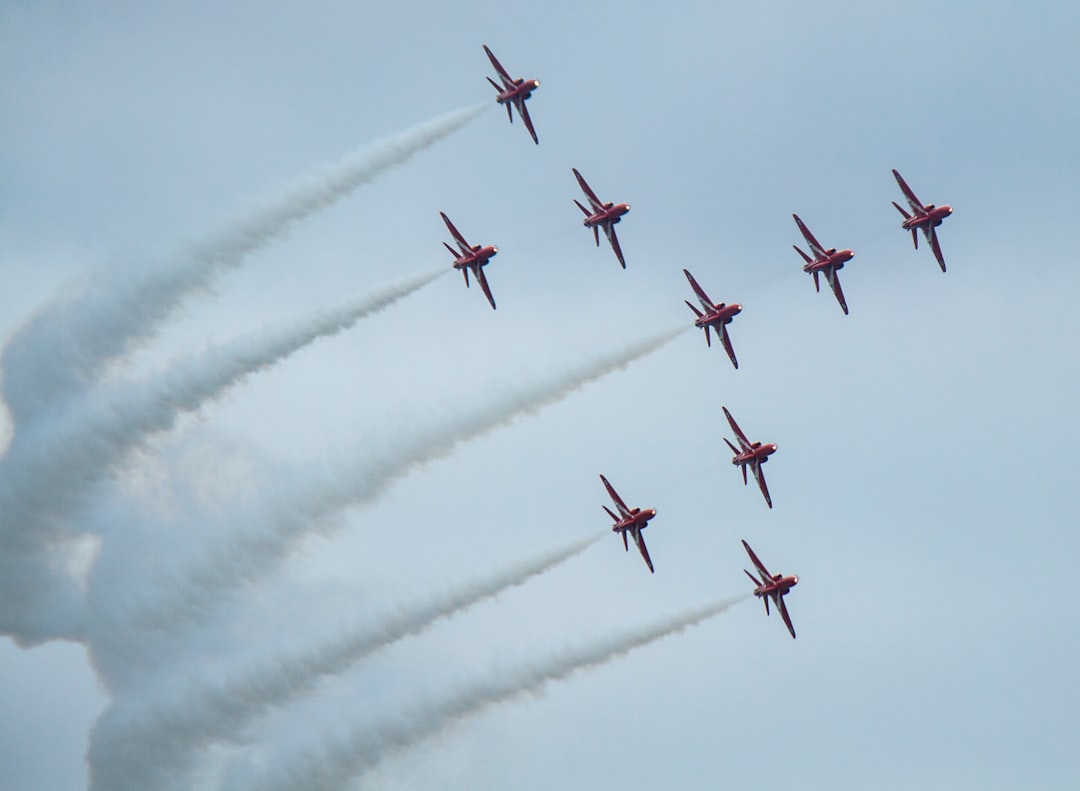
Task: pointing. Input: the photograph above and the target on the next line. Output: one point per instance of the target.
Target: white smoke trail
(48, 472)
(295, 514)
(337, 765)
(65, 344)
(156, 745)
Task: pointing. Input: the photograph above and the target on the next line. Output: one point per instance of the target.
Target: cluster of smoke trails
(40, 483)
(65, 344)
(337, 765)
(46, 476)
(293, 515)
(169, 739)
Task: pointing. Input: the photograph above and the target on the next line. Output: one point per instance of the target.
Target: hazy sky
(923, 487)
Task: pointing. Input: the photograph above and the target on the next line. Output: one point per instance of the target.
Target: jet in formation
(717, 315)
(927, 218)
(825, 261)
(629, 520)
(771, 586)
(513, 93)
(750, 454)
(472, 257)
(602, 215)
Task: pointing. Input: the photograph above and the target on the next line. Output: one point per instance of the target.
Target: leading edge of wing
(815, 245)
(640, 541)
(915, 203)
(499, 67)
(735, 427)
(523, 111)
(484, 285)
(594, 201)
(764, 572)
(780, 605)
(454, 231)
(609, 232)
(623, 510)
(702, 296)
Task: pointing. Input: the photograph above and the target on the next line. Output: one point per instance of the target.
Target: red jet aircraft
(603, 215)
(716, 315)
(629, 520)
(827, 262)
(472, 257)
(771, 586)
(513, 92)
(750, 454)
(926, 217)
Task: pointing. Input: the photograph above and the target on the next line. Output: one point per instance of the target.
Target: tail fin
(697, 312)
(584, 211)
(609, 513)
(733, 448)
(494, 85)
(805, 257)
(899, 209)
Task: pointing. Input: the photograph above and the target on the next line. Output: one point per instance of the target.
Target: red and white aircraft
(513, 92)
(750, 454)
(629, 520)
(771, 586)
(717, 315)
(826, 262)
(926, 217)
(472, 257)
(603, 215)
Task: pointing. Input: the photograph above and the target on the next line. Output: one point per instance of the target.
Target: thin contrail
(334, 766)
(297, 513)
(48, 473)
(159, 743)
(65, 344)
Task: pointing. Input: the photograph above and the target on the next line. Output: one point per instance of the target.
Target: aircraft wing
(508, 81)
(623, 510)
(782, 607)
(609, 232)
(480, 276)
(743, 441)
(726, 340)
(915, 204)
(759, 476)
(834, 281)
(815, 247)
(764, 572)
(703, 298)
(595, 202)
(640, 541)
(465, 247)
(523, 111)
(931, 235)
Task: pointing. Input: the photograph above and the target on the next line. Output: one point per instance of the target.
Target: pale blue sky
(923, 486)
